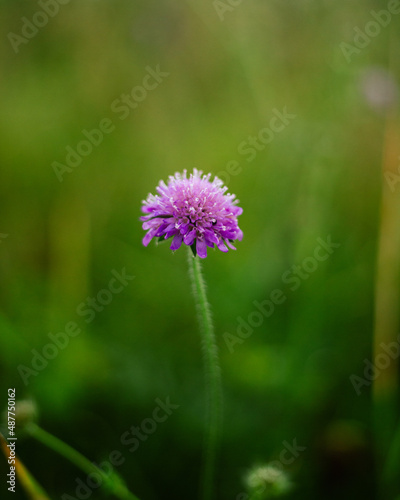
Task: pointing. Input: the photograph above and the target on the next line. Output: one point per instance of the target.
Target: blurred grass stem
(386, 385)
(32, 488)
(112, 481)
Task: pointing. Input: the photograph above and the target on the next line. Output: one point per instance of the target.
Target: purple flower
(194, 211)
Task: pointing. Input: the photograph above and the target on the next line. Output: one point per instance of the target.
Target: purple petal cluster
(194, 211)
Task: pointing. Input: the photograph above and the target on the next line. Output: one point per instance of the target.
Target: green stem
(213, 378)
(392, 463)
(112, 482)
(32, 488)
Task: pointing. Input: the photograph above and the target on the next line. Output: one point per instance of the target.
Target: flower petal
(221, 245)
(209, 243)
(189, 237)
(151, 223)
(211, 236)
(161, 230)
(183, 229)
(171, 230)
(176, 242)
(229, 234)
(201, 248)
(149, 236)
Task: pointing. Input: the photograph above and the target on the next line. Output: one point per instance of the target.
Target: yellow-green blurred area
(226, 72)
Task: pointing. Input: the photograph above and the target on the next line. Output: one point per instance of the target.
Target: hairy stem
(213, 378)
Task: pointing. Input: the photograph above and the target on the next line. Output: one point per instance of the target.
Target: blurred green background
(321, 175)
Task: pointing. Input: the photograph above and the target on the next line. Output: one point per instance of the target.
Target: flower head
(25, 413)
(267, 481)
(194, 211)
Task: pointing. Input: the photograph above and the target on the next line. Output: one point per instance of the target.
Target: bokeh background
(323, 174)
